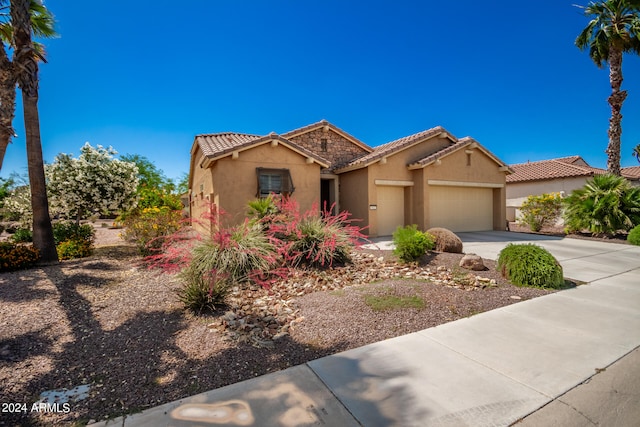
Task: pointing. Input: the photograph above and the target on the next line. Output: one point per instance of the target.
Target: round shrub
(16, 257)
(530, 265)
(634, 236)
(69, 230)
(446, 240)
(411, 243)
(22, 235)
(74, 248)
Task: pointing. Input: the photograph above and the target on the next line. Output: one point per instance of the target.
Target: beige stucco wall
(232, 183)
(453, 167)
(482, 170)
(354, 196)
(518, 192)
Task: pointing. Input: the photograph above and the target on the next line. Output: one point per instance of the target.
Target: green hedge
(530, 265)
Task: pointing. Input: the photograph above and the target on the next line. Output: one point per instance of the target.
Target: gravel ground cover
(108, 322)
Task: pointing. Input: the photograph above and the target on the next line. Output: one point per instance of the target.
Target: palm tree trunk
(27, 67)
(616, 99)
(7, 102)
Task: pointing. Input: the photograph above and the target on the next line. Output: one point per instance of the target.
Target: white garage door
(390, 209)
(461, 208)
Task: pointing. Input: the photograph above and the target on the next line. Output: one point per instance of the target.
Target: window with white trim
(276, 181)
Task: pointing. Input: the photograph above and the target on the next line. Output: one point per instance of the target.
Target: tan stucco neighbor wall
(232, 183)
(517, 192)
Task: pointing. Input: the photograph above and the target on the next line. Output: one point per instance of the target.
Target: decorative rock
(446, 240)
(472, 262)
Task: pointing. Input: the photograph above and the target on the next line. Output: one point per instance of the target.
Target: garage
(390, 209)
(461, 208)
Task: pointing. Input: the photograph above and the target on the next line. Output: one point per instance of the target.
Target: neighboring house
(561, 175)
(430, 178)
(632, 173)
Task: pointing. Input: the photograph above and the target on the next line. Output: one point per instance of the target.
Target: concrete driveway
(584, 260)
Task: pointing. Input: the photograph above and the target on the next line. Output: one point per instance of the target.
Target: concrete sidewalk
(491, 369)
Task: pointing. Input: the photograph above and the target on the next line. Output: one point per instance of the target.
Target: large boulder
(472, 262)
(446, 240)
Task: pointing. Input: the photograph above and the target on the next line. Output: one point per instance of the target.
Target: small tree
(540, 211)
(93, 183)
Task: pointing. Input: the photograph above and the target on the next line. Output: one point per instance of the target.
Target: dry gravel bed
(109, 322)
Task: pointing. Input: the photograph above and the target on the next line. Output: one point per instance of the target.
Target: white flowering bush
(95, 182)
(17, 206)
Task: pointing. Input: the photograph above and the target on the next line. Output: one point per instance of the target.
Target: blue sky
(147, 76)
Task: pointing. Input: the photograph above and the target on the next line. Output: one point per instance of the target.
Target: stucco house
(632, 173)
(562, 175)
(430, 178)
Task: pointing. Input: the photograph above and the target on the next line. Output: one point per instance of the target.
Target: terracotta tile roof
(221, 144)
(631, 172)
(570, 159)
(321, 123)
(551, 169)
(394, 146)
(450, 149)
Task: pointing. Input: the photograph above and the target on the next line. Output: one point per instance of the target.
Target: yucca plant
(606, 204)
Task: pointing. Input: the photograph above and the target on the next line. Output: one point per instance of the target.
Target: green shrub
(634, 236)
(149, 228)
(22, 235)
(74, 248)
(16, 256)
(540, 211)
(530, 265)
(262, 208)
(411, 243)
(606, 204)
(69, 230)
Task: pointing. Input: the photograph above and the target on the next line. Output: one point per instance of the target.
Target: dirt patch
(108, 322)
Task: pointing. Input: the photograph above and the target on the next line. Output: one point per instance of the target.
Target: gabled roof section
(396, 146)
(218, 145)
(461, 143)
(565, 167)
(631, 172)
(322, 123)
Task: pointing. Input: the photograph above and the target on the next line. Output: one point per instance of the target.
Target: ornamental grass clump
(530, 265)
(16, 256)
(411, 243)
(319, 239)
(233, 256)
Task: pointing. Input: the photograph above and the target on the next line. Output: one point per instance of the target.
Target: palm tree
(613, 30)
(636, 152)
(26, 71)
(42, 24)
(606, 204)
